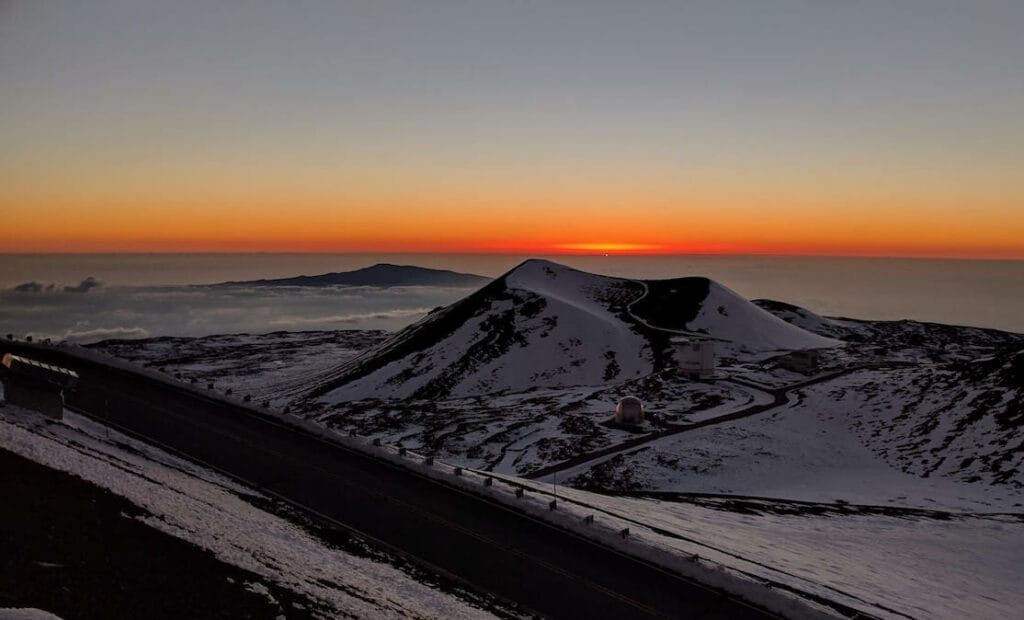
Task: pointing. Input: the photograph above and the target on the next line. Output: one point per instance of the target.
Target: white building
(630, 410)
(803, 360)
(695, 356)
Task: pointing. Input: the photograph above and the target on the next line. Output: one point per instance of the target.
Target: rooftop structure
(35, 385)
(18, 365)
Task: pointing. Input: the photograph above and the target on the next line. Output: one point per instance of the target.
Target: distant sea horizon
(974, 292)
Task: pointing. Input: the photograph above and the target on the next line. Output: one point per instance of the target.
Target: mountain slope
(962, 420)
(520, 330)
(923, 338)
(725, 314)
(546, 325)
(380, 275)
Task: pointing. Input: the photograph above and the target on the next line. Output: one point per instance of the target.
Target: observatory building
(695, 356)
(803, 360)
(630, 410)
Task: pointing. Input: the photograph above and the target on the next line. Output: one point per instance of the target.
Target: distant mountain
(917, 339)
(546, 325)
(380, 275)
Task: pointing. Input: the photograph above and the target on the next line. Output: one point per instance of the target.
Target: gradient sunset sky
(855, 127)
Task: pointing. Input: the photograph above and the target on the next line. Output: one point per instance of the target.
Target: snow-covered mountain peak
(543, 275)
(543, 324)
(554, 278)
(586, 291)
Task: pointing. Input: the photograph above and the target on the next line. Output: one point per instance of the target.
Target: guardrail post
(488, 481)
(519, 491)
(625, 532)
(553, 504)
(588, 520)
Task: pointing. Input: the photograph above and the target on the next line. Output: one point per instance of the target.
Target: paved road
(780, 396)
(490, 546)
(679, 332)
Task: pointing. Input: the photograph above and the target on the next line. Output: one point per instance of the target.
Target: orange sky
(148, 209)
(173, 224)
(851, 129)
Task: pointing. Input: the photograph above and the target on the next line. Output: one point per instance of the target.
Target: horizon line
(611, 254)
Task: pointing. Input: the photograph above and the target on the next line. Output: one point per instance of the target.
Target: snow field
(214, 515)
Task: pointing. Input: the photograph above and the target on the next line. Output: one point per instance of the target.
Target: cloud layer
(84, 286)
(140, 312)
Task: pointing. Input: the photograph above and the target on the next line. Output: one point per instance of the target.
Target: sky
(833, 128)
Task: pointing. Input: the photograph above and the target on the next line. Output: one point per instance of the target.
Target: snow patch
(216, 517)
(725, 314)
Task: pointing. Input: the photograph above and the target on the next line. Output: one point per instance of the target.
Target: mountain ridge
(549, 325)
(383, 275)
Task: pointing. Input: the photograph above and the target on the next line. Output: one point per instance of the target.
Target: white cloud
(137, 312)
(105, 333)
(296, 321)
